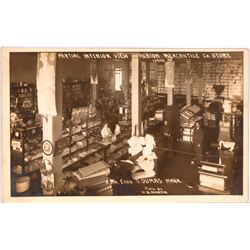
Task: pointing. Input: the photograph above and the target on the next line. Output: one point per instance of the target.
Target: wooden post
(136, 106)
(170, 96)
(94, 81)
(188, 93)
(147, 79)
(200, 88)
(188, 81)
(199, 81)
(169, 80)
(94, 91)
(52, 124)
(112, 78)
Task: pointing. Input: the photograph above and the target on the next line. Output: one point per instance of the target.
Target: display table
(106, 144)
(100, 149)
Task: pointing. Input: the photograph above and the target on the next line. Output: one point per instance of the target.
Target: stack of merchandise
(143, 147)
(94, 178)
(189, 115)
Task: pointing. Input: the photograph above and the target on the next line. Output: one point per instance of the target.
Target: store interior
(124, 124)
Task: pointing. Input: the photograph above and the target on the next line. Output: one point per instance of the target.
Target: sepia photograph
(125, 124)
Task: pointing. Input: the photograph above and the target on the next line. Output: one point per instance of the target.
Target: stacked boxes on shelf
(81, 124)
(85, 132)
(26, 135)
(27, 142)
(161, 80)
(179, 80)
(23, 100)
(227, 73)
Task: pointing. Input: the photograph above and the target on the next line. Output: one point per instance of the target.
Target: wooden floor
(176, 163)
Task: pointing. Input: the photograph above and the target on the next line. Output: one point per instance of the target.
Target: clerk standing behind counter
(172, 118)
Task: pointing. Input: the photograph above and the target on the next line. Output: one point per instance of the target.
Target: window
(118, 79)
